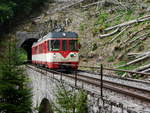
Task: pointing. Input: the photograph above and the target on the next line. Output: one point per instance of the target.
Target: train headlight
(64, 34)
(54, 55)
(72, 55)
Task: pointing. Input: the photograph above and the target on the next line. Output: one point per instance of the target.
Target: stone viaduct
(45, 85)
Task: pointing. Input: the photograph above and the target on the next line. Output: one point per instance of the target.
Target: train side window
(40, 48)
(49, 45)
(73, 45)
(32, 50)
(53, 45)
(36, 50)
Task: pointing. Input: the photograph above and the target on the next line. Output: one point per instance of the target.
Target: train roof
(62, 35)
(58, 35)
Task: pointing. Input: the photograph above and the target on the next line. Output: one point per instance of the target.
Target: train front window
(53, 45)
(73, 45)
(64, 45)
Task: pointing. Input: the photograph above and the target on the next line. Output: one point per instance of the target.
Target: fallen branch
(65, 7)
(142, 19)
(134, 54)
(119, 34)
(135, 39)
(126, 51)
(147, 70)
(135, 61)
(124, 74)
(138, 55)
(127, 44)
(103, 2)
(113, 18)
(142, 68)
(95, 3)
(134, 34)
(109, 34)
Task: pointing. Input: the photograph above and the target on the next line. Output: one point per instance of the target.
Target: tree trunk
(142, 19)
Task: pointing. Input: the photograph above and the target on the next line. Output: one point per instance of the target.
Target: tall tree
(15, 96)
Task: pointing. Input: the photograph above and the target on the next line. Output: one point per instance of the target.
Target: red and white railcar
(57, 50)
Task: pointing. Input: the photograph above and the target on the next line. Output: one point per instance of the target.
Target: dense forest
(10, 9)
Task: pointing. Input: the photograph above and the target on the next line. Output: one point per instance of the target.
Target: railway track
(134, 91)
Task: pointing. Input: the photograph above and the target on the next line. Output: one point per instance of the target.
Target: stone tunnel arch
(25, 41)
(27, 45)
(45, 106)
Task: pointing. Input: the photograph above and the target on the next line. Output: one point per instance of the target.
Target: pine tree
(70, 100)
(15, 96)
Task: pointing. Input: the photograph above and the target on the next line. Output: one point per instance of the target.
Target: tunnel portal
(27, 45)
(25, 41)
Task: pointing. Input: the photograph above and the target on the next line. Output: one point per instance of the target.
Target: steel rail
(118, 77)
(105, 68)
(119, 84)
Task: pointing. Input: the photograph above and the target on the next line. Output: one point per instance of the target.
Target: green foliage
(131, 67)
(82, 27)
(11, 8)
(70, 101)
(6, 10)
(100, 24)
(81, 105)
(15, 96)
(94, 46)
(102, 18)
(120, 63)
(95, 31)
(22, 55)
(111, 59)
(128, 15)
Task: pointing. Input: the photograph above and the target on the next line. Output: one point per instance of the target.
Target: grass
(111, 59)
(131, 68)
(126, 68)
(102, 17)
(128, 15)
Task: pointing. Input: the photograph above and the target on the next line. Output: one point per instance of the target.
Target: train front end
(63, 51)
